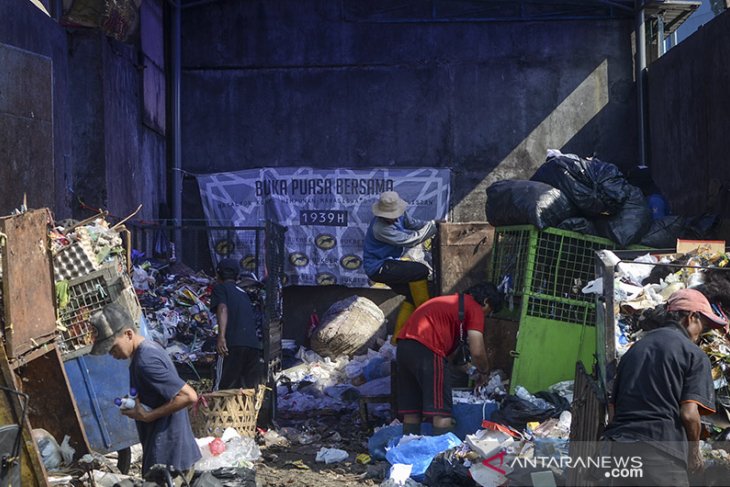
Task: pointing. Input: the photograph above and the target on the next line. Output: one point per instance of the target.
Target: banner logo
(298, 259)
(351, 262)
(325, 241)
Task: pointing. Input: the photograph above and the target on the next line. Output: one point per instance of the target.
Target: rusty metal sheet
(463, 255)
(27, 280)
(32, 472)
(52, 405)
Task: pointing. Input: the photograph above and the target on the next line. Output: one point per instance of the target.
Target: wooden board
(462, 256)
(28, 288)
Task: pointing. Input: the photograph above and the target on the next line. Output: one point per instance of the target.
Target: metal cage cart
(544, 272)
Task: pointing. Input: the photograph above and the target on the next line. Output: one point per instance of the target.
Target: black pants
(423, 380)
(398, 273)
(242, 368)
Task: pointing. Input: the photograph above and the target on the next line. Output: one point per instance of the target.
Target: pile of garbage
(589, 196)
(322, 385)
(177, 310)
(497, 431)
(647, 282)
(176, 307)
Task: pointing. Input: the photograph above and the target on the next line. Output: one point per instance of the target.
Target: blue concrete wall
(99, 136)
(292, 82)
(688, 115)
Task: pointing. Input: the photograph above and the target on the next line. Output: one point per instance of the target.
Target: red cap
(695, 302)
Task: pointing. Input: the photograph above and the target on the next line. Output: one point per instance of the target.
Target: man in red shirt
(427, 339)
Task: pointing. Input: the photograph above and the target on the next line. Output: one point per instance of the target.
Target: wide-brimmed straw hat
(389, 205)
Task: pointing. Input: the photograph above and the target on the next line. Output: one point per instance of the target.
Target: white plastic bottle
(128, 402)
(125, 402)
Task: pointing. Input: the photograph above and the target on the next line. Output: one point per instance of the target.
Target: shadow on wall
(578, 124)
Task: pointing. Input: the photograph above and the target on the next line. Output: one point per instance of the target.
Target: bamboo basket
(234, 408)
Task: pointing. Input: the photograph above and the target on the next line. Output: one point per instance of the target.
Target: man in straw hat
(162, 400)
(662, 386)
(390, 232)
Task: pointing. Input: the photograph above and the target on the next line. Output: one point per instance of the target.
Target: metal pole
(176, 131)
(640, 68)
(660, 36)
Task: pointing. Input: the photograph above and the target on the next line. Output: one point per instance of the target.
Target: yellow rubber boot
(419, 291)
(404, 312)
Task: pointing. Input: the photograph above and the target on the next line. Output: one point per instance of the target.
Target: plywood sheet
(27, 280)
(463, 255)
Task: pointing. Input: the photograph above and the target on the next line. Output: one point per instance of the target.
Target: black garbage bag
(664, 232)
(579, 224)
(227, 476)
(593, 186)
(629, 225)
(699, 227)
(520, 202)
(559, 402)
(660, 271)
(446, 469)
(517, 412)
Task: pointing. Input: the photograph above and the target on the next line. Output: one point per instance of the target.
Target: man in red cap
(663, 384)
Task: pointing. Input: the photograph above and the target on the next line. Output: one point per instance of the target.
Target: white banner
(326, 213)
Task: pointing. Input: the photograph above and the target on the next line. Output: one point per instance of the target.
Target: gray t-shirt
(169, 440)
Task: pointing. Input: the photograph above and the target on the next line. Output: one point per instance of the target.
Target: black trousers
(242, 368)
(398, 273)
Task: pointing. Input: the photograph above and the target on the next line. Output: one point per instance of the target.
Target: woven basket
(234, 408)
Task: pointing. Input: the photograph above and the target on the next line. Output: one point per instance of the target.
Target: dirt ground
(295, 465)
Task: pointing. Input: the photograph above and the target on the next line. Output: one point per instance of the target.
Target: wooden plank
(52, 406)
(28, 288)
(32, 472)
(462, 255)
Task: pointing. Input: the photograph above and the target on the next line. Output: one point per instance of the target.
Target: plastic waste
(420, 451)
(67, 451)
(216, 447)
(445, 471)
(516, 202)
(376, 368)
(522, 393)
(399, 473)
(381, 438)
(630, 223)
(488, 442)
(595, 187)
(331, 455)
(578, 224)
(48, 448)
(239, 452)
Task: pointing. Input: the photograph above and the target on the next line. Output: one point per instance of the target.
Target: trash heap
(647, 282)
(322, 386)
(588, 196)
(90, 271)
(176, 307)
(496, 429)
(80, 248)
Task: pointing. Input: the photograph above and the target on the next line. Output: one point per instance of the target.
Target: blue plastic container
(469, 417)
